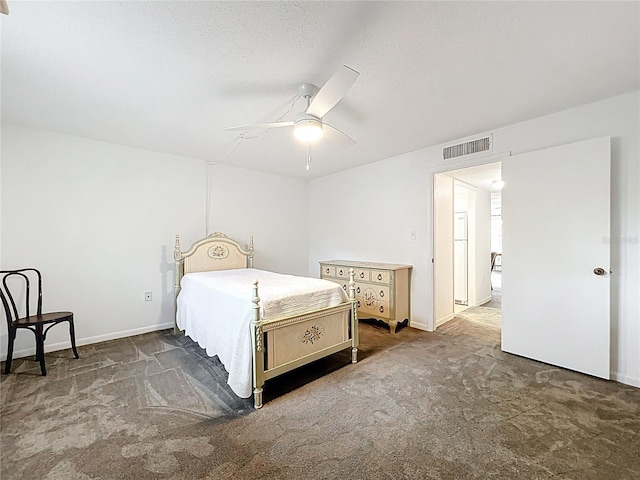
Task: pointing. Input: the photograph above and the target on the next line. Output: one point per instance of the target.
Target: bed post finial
(251, 251)
(352, 284)
(177, 254)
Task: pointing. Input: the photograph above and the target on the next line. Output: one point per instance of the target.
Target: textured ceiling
(169, 76)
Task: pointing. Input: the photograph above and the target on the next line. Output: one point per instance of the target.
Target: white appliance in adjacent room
(460, 263)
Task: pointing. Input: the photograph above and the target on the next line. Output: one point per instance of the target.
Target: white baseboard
(419, 326)
(52, 347)
(626, 379)
(445, 319)
(485, 300)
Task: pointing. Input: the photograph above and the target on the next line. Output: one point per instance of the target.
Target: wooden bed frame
(283, 344)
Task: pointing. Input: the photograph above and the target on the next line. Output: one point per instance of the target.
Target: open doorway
(468, 244)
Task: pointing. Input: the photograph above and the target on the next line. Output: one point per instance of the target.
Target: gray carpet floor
(418, 405)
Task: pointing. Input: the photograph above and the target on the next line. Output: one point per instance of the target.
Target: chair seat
(49, 317)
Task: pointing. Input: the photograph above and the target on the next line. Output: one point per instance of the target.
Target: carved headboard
(215, 252)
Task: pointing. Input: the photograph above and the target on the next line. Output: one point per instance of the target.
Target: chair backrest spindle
(8, 301)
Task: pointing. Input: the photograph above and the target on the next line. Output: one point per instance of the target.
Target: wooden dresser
(382, 289)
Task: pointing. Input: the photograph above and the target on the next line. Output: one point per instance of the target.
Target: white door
(555, 212)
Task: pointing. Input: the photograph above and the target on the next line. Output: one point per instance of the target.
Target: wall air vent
(479, 145)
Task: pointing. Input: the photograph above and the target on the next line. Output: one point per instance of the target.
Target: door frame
(472, 161)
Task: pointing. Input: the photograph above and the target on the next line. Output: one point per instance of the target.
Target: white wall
(271, 208)
(369, 213)
(99, 220)
(375, 206)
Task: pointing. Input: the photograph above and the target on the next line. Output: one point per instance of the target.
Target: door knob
(599, 271)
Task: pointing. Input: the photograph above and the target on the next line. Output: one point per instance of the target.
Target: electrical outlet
(148, 296)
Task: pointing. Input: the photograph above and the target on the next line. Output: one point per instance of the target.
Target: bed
(298, 319)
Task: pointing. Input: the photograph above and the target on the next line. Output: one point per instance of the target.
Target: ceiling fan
(308, 126)
(4, 8)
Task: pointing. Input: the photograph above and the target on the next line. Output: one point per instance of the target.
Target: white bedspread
(214, 309)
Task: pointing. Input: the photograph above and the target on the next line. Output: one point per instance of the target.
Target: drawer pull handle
(327, 270)
(382, 293)
(358, 303)
(379, 276)
(361, 274)
(344, 287)
(340, 272)
(381, 309)
(358, 289)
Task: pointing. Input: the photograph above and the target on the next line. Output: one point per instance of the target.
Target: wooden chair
(21, 282)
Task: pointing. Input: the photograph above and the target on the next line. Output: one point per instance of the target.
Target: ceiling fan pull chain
(308, 157)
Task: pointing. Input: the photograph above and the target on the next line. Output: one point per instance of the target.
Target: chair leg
(40, 349)
(12, 337)
(72, 334)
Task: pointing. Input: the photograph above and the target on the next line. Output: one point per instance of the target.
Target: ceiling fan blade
(334, 135)
(4, 8)
(262, 126)
(332, 91)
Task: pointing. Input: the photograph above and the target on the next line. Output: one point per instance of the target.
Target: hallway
(488, 313)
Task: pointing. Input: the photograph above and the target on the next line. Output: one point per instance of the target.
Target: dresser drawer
(362, 275)
(342, 272)
(360, 288)
(373, 309)
(328, 270)
(374, 293)
(384, 310)
(381, 276)
(377, 292)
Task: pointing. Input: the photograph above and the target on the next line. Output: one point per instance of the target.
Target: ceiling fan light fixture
(308, 130)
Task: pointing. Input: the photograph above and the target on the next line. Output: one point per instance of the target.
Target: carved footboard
(284, 344)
